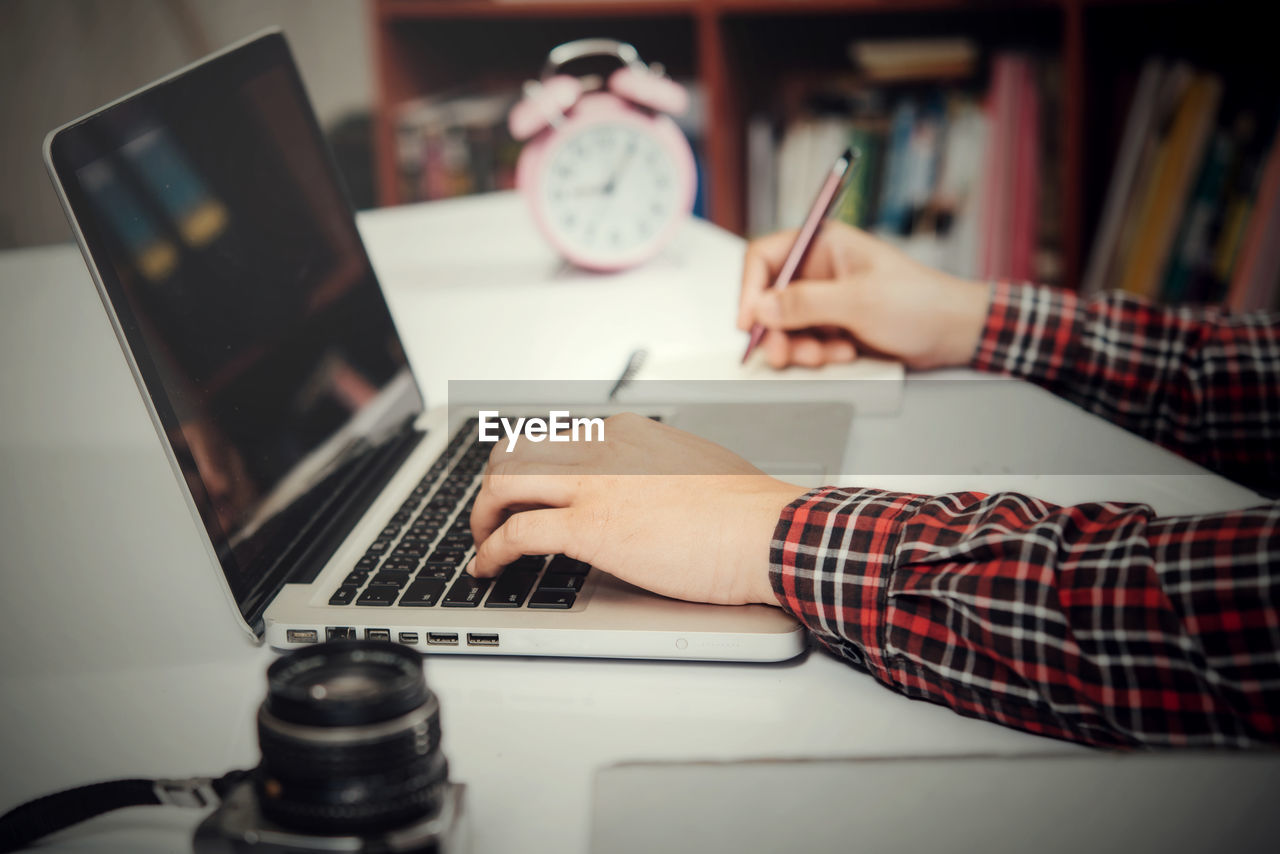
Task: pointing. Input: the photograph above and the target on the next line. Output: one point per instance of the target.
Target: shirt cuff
(1029, 332)
(831, 565)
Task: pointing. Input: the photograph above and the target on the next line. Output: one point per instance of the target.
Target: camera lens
(350, 738)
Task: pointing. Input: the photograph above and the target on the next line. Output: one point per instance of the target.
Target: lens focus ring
(334, 758)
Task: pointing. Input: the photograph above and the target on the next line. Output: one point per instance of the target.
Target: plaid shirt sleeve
(1098, 623)
(1199, 381)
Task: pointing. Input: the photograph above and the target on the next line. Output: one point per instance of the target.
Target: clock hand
(617, 172)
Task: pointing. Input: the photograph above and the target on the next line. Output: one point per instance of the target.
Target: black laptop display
(235, 272)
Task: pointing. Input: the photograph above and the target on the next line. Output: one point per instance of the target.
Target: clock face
(610, 191)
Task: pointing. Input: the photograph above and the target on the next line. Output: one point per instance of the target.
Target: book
(1048, 265)
(1177, 157)
(762, 166)
(1024, 206)
(1173, 86)
(957, 200)
(859, 202)
(896, 60)
(996, 247)
(808, 149)
(453, 146)
(1255, 280)
(950, 176)
(874, 386)
(1193, 250)
(894, 216)
(1137, 129)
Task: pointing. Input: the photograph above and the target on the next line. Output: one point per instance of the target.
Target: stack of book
(455, 146)
(951, 166)
(1192, 213)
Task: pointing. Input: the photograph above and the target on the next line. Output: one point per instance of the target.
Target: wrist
(767, 509)
(964, 315)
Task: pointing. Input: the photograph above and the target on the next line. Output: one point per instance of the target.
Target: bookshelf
(737, 50)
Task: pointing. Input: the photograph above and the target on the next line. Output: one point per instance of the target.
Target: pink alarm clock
(608, 174)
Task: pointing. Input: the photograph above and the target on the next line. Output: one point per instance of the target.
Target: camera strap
(26, 823)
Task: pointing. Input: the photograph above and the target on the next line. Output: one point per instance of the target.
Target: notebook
(335, 503)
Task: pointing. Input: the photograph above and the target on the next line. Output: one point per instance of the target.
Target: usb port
(339, 633)
(408, 637)
(442, 638)
(377, 634)
(475, 639)
(302, 635)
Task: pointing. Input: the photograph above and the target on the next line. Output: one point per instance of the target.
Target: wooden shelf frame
(404, 72)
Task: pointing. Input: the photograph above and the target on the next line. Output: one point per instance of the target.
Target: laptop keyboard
(417, 559)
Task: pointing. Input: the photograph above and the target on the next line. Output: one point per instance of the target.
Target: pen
(822, 205)
(634, 363)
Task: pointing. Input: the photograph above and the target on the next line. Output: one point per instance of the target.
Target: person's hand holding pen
(855, 294)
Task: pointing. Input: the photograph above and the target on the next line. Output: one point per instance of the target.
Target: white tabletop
(121, 657)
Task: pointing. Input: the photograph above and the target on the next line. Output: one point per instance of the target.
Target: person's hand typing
(653, 505)
(856, 294)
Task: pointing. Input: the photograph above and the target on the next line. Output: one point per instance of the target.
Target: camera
(351, 761)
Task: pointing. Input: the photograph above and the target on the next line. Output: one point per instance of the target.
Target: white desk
(100, 678)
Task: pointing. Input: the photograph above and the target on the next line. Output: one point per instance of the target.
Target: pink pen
(831, 187)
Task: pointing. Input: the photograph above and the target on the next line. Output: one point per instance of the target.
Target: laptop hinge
(354, 496)
(352, 493)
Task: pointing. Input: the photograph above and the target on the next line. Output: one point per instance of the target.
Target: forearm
(1199, 382)
(1096, 623)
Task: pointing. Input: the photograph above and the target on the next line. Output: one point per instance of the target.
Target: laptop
(335, 503)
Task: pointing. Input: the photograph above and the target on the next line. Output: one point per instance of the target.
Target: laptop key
(466, 592)
(379, 594)
(355, 577)
(552, 599)
(390, 578)
(511, 588)
(564, 563)
(563, 581)
(423, 593)
(438, 570)
(345, 595)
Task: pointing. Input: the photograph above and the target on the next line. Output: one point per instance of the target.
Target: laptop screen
(229, 254)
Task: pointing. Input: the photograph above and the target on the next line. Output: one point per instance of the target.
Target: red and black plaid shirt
(1100, 623)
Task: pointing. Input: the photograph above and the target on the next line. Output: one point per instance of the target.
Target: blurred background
(1089, 143)
(62, 58)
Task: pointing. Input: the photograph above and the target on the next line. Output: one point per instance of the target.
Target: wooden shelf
(425, 46)
(411, 10)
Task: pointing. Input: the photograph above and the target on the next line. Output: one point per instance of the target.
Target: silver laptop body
(226, 255)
